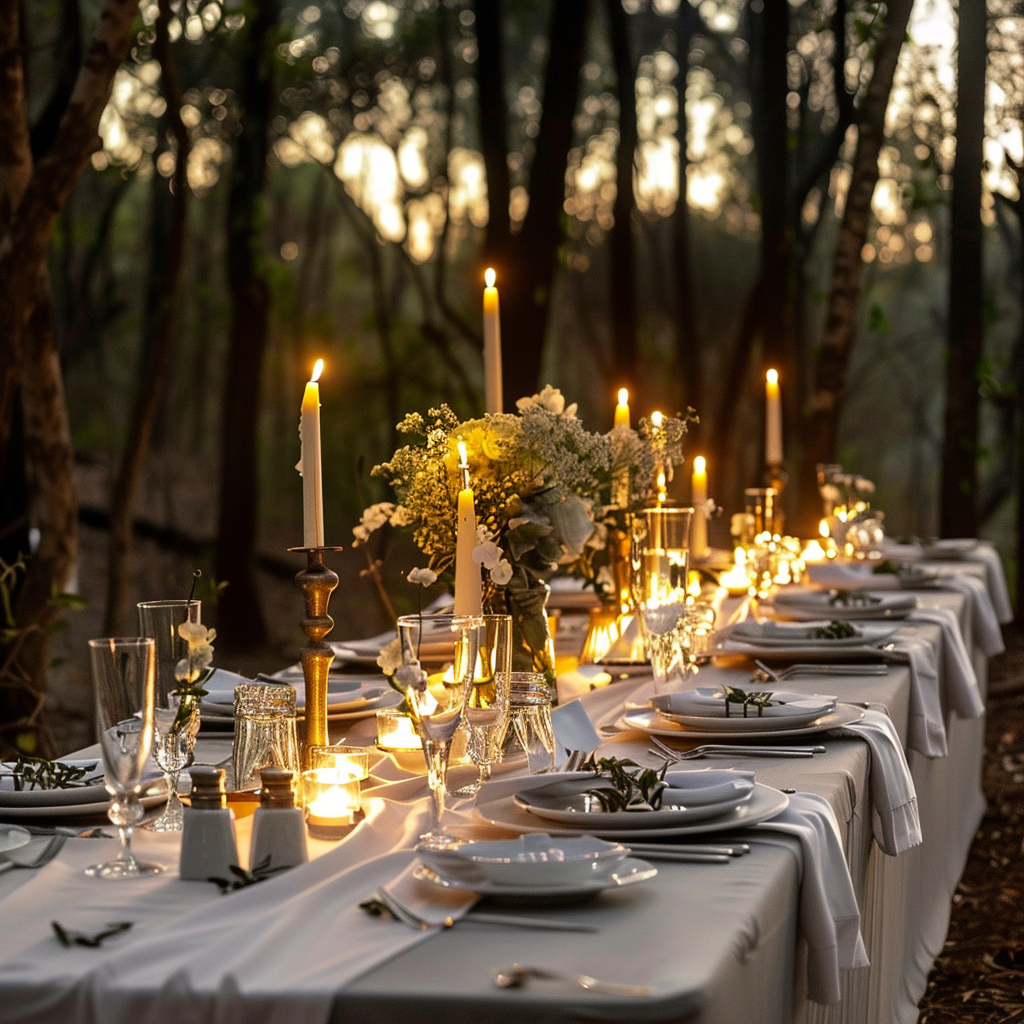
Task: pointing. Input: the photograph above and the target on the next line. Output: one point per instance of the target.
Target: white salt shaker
(208, 847)
(278, 826)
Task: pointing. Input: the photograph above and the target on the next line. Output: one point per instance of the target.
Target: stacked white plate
(534, 866)
(705, 708)
(74, 801)
(799, 640)
(806, 604)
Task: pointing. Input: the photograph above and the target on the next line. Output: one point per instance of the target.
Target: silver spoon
(517, 975)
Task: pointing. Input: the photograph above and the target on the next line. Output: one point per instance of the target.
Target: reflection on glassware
(865, 536)
(461, 635)
(354, 760)
(174, 736)
(830, 496)
(529, 729)
(123, 673)
(396, 730)
(265, 731)
(486, 713)
(664, 555)
(759, 503)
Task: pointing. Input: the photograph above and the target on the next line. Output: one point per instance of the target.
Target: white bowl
(538, 860)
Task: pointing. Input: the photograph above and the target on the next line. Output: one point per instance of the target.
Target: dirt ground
(979, 978)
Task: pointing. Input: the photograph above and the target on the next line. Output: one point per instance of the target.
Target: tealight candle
(396, 731)
(332, 797)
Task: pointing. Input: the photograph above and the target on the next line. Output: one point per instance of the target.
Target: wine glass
(123, 673)
(435, 723)
(175, 722)
(486, 713)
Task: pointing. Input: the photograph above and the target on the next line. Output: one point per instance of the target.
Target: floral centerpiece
(543, 492)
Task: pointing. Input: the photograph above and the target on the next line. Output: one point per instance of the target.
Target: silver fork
(45, 855)
(667, 753)
(809, 668)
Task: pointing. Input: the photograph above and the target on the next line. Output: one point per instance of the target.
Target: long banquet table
(718, 943)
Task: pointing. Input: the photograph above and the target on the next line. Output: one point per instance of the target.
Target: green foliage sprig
(67, 938)
(835, 630)
(852, 599)
(242, 878)
(759, 699)
(641, 790)
(38, 773)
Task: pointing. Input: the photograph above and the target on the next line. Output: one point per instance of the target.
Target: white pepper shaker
(278, 826)
(208, 846)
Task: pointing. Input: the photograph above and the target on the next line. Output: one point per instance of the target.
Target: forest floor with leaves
(979, 977)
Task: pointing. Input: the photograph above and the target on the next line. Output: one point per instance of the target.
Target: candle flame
(700, 464)
(463, 460)
(489, 277)
(318, 368)
(623, 396)
(656, 420)
(772, 376)
(823, 529)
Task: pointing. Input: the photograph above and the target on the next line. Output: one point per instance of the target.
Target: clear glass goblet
(123, 673)
(176, 724)
(437, 725)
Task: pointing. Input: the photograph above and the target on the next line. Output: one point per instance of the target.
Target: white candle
(622, 409)
(492, 345)
(468, 590)
(699, 540)
(773, 420)
(309, 463)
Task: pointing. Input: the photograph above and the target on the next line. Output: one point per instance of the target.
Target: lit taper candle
(773, 420)
(492, 345)
(699, 495)
(468, 588)
(309, 463)
(622, 409)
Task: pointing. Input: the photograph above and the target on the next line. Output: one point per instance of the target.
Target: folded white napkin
(926, 728)
(834, 575)
(895, 821)
(573, 729)
(961, 682)
(829, 916)
(985, 630)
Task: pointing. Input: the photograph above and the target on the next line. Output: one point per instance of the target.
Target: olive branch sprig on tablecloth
(641, 790)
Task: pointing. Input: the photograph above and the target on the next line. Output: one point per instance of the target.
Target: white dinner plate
(650, 721)
(807, 605)
(764, 803)
(792, 710)
(792, 634)
(626, 872)
(10, 797)
(154, 796)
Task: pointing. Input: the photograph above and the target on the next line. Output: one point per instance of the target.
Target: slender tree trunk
(490, 78)
(623, 271)
(170, 219)
(958, 501)
(23, 246)
(822, 422)
(533, 252)
(240, 617)
(687, 341)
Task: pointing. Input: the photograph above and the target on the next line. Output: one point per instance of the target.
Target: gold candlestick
(317, 582)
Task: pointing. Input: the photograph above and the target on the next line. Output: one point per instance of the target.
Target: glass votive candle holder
(332, 798)
(396, 731)
(350, 759)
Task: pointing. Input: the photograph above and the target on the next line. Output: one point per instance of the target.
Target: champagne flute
(124, 678)
(435, 724)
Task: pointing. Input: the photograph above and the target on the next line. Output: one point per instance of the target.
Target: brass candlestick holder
(317, 582)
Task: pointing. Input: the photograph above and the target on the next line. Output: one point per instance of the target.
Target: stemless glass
(529, 730)
(760, 505)
(175, 732)
(486, 712)
(436, 724)
(266, 733)
(665, 555)
(123, 673)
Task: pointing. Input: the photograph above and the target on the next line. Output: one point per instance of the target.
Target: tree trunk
(23, 247)
(958, 501)
(687, 341)
(822, 422)
(533, 252)
(170, 219)
(490, 78)
(623, 279)
(240, 617)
